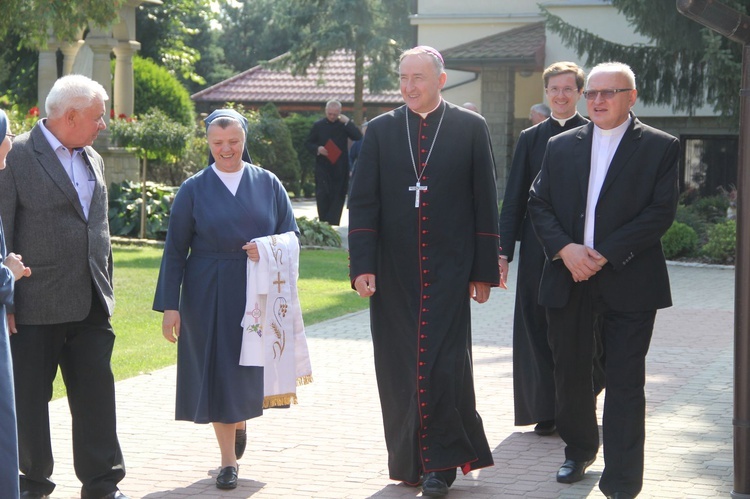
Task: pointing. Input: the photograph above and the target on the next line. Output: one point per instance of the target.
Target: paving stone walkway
(331, 444)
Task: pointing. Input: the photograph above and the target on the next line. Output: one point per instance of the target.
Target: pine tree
(374, 30)
(686, 66)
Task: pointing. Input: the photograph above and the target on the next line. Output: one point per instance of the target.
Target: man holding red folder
(328, 142)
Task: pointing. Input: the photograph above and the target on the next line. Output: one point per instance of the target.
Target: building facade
(495, 52)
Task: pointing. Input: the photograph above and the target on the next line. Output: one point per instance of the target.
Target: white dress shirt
(74, 164)
(603, 149)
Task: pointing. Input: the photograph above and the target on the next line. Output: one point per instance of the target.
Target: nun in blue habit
(11, 269)
(202, 284)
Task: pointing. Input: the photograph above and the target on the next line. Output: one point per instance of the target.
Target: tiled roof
(519, 46)
(259, 84)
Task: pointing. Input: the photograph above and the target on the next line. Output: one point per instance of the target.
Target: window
(708, 163)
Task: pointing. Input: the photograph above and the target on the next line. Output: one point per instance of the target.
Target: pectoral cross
(279, 282)
(417, 191)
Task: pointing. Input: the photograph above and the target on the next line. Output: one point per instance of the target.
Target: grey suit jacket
(45, 224)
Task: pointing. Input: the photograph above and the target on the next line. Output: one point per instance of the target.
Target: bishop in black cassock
(428, 238)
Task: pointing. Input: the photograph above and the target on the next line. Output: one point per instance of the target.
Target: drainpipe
(736, 26)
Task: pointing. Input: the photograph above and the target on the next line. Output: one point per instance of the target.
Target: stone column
(47, 74)
(101, 44)
(498, 98)
(69, 50)
(124, 94)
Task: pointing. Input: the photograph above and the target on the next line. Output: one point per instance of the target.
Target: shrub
(712, 208)
(155, 87)
(154, 135)
(722, 240)
(125, 209)
(299, 128)
(270, 145)
(22, 121)
(317, 233)
(690, 216)
(679, 240)
(194, 159)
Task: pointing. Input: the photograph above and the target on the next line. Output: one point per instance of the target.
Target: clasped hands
(582, 262)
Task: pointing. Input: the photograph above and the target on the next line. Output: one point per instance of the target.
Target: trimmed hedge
(679, 240)
(722, 241)
(154, 86)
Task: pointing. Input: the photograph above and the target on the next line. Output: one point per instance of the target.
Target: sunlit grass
(140, 348)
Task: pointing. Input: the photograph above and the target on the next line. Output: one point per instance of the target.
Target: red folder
(333, 151)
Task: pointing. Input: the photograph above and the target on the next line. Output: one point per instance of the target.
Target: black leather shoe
(572, 471)
(434, 485)
(240, 442)
(27, 494)
(227, 478)
(620, 495)
(115, 495)
(545, 428)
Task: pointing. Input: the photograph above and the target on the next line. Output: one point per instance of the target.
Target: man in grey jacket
(53, 203)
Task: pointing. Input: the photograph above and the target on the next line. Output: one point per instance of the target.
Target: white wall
(445, 24)
(606, 22)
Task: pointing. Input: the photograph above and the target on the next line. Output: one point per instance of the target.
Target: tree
(19, 75)
(249, 33)
(687, 65)
(176, 34)
(363, 27)
(154, 136)
(32, 20)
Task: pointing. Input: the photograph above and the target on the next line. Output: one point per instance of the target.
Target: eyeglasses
(567, 91)
(11, 136)
(606, 94)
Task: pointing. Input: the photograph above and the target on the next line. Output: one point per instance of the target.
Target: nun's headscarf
(228, 113)
(3, 125)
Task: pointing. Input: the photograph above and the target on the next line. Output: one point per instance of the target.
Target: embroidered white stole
(273, 334)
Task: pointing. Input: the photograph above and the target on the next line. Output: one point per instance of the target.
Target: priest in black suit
(533, 381)
(328, 141)
(606, 194)
(423, 221)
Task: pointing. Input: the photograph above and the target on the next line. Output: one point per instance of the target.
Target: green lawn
(140, 348)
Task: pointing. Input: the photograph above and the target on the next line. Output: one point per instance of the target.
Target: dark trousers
(83, 351)
(625, 337)
(331, 183)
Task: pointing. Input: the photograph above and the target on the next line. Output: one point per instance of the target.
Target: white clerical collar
(424, 115)
(616, 131)
(562, 121)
